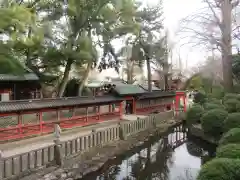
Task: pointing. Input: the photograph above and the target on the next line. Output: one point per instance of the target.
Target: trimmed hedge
(212, 122)
(200, 98)
(232, 121)
(194, 114)
(215, 101)
(231, 151)
(220, 169)
(210, 106)
(232, 136)
(231, 105)
(230, 96)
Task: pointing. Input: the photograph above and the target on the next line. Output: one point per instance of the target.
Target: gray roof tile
(24, 77)
(157, 94)
(128, 89)
(145, 87)
(24, 105)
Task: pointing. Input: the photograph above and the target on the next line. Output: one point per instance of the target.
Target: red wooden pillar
(121, 109)
(134, 106)
(185, 103)
(98, 112)
(180, 95)
(109, 108)
(20, 132)
(40, 118)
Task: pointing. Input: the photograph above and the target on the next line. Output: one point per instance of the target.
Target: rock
(64, 175)
(49, 177)
(70, 174)
(75, 166)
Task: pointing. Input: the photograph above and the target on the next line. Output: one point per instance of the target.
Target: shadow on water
(174, 156)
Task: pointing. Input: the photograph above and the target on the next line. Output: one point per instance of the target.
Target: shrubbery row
(219, 119)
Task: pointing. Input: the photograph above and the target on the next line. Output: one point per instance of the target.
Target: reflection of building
(16, 87)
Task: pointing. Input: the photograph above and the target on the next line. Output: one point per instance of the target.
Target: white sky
(174, 11)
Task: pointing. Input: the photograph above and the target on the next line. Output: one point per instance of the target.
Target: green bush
(212, 122)
(230, 96)
(210, 106)
(220, 169)
(238, 107)
(229, 151)
(232, 121)
(231, 105)
(200, 98)
(215, 101)
(194, 114)
(232, 136)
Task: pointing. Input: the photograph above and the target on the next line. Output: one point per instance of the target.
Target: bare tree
(215, 25)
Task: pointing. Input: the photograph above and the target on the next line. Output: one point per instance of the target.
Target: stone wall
(22, 164)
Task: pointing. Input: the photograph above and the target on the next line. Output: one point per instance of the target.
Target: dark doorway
(169, 107)
(129, 107)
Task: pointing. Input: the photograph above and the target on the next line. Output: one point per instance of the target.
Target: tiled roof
(145, 87)
(25, 77)
(24, 105)
(157, 94)
(128, 89)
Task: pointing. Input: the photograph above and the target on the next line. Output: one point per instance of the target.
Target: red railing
(25, 124)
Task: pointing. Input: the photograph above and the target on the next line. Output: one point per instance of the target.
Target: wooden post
(58, 156)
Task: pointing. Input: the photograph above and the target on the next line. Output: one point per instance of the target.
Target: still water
(174, 156)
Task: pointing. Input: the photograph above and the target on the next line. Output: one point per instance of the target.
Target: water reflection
(173, 157)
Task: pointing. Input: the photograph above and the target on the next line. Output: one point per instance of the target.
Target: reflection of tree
(144, 169)
(111, 173)
(148, 165)
(187, 176)
(193, 149)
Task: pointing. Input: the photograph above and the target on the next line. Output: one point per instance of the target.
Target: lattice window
(8, 121)
(49, 116)
(30, 118)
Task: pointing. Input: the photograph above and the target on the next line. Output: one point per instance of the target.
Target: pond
(174, 156)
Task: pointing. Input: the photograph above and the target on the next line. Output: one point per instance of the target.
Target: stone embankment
(75, 158)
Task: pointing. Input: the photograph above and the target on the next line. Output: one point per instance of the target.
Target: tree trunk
(64, 81)
(226, 10)
(85, 78)
(149, 74)
(130, 66)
